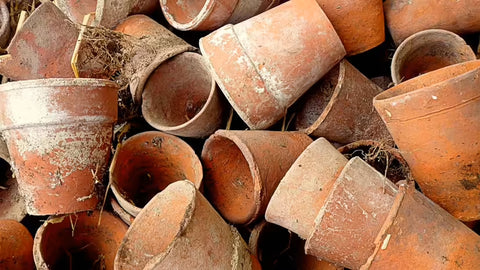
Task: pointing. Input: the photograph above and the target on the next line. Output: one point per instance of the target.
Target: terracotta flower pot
(108, 13)
(4, 23)
(456, 16)
(77, 241)
(120, 212)
(380, 156)
(211, 14)
(179, 229)
(16, 245)
(147, 163)
(339, 107)
(434, 121)
(12, 205)
(359, 23)
(260, 71)
(243, 168)
(428, 50)
(190, 104)
(59, 133)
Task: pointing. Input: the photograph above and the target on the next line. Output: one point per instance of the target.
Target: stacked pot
(271, 132)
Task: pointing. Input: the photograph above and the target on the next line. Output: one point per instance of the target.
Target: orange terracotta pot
(78, 241)
(211, 14)
(108, 13)
(58, 132)
(434, 121)
(190, 104)
(359, 23)
(260, 72)
(426, 51)
(12, 205)
(243, 169)
(339, 107)
(147, 163)
(16, 245)
(4, 23)
(456, 16)
(179, 229)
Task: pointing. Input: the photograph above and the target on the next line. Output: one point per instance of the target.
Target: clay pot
(434, 121)
(108, 13)
(339, 107)
(59, 134)
(260, 72)
(16, 245)
(380, 156)
(78, 241)
(243, 168)
(4, 23)
(179, 229)
(120, 212)
(456, 16)
(190, 104)
(211, 14)
(428, 50)
(359, 24)
(12, 205)
(147, 163)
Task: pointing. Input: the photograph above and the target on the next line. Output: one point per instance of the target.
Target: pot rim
(200, 18)
(5, 24)
(56, 82)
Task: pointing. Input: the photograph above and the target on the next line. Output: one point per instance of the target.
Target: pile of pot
(239, 134)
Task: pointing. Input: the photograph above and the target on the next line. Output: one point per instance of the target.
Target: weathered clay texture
(16, 245)
(4, 23)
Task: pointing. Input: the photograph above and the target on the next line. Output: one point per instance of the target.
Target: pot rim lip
(254, 172)
(57, 82)
(336, 92)
(4, 25)
(389, 95)
(194, 23)
(402, 48)
(133, 209)
(213, 91)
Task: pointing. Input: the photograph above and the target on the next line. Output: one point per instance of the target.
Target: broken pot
(434, 121)
(78, 241)
(426, 51)
(179, 229)
(202, 15)
(108, 13)
(339, 107)
(147, 163)
(359, 23)
(4, 23)
(259, 71)
(16, 246)
(59, 134)
(243, 169)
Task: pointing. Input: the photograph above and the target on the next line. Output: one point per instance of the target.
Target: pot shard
(78, 241)
(209, 15)
(179, 229)
(4, 23)
(59, 134)
(426, 51)
(339, 107)
(457, 16)
(243, 168)
(434, 121)
(16, 245)
(359, 24)
(146, 164)
(190, 105)
(108, 13)
(259, 71)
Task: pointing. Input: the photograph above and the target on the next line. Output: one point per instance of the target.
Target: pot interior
(185, 11)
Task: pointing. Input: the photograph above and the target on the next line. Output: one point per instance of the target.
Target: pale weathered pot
(243, 169)
(428, 50)
(179, 229)
(108, 13)
(204, 15)
(78, 241)
(16, 246)
(147, 163)
(4, 23)
(339, 107)
(260, 71)
(434, 121)
(182, 98)
(359, 23)
(59, 134)
(405, 18)
(12, 205)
